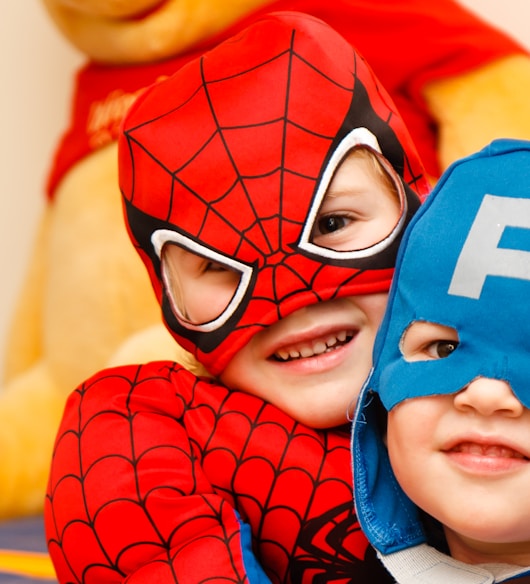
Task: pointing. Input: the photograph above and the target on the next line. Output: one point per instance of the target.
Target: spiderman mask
(230, 160)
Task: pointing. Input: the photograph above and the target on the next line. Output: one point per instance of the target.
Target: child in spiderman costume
(266, 186)
(442, 430)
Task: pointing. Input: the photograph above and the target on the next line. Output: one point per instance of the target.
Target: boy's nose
(488, 397)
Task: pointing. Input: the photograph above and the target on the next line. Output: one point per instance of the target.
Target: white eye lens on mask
(203, 286)
(360, 205)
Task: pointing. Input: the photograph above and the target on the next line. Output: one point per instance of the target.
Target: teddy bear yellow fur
(86, 302)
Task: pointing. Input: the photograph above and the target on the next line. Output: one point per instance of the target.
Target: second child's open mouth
(488, 450)
(315, 347)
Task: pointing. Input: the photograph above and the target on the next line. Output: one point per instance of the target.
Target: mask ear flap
(387, 516)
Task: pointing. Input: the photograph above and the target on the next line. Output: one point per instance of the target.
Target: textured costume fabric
(404, 42)
(157, 475)
(473, 275)
(164, 461)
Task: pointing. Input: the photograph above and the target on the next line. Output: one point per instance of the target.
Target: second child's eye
(441, 349)
(428, 341)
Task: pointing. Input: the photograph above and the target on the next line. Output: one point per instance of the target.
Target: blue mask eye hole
(428, 341)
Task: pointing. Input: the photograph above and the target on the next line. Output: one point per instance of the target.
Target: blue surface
(22, 535)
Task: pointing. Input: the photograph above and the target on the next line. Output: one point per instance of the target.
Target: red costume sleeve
(128, 497)
(154, 470)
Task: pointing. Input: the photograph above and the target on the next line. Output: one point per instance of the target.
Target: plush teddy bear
(86, 302)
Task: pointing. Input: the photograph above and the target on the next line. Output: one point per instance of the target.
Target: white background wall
(37, 68)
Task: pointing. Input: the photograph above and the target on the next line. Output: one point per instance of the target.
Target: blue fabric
(253, 569)
(464, 262)
(23, 552)
(492, 188)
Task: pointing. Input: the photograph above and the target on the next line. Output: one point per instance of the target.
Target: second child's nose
(488, 397)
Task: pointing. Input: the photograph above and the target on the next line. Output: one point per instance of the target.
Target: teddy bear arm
(476, 107)
(26, 440)
(24, 346)
(154, 343)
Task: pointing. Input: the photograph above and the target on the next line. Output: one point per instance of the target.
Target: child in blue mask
(441, 441)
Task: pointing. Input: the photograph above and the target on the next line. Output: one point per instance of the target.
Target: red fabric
(407, 43)
(232, 154)
(150, 463)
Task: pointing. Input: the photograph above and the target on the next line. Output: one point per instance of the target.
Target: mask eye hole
(204, 288)
(428, 341)
(360, 205)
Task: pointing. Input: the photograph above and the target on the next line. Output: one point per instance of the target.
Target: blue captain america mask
(464, 262)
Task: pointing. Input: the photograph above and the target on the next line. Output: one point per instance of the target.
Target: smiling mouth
(310, 349)
(487, 450)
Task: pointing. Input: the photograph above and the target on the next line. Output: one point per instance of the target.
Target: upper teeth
(485, 450)
(310, 349)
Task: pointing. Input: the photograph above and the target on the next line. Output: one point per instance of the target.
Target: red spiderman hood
(228, 157)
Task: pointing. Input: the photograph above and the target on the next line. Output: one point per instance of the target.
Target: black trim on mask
(142, 227)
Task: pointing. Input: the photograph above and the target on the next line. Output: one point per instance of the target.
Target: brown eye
(426, 341)
(331, 223)
(442, 349)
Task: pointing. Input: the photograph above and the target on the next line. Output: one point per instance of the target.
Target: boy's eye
(441, 349)
(214, 267)
(200, 289)
(330, 223)
(428, 341)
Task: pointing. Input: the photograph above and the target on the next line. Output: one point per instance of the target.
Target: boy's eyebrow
(335, 193)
